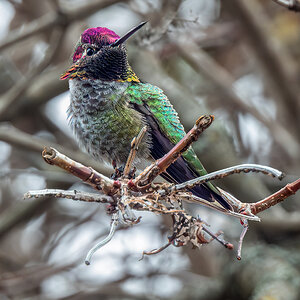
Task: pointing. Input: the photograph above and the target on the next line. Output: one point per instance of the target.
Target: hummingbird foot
(131, 174)
(119, 172)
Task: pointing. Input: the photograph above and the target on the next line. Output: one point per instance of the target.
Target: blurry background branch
(61, 18)
(275, 62)
(290, 4)
(27, 142)
(201, 62)
(14, 93)
(238, 60)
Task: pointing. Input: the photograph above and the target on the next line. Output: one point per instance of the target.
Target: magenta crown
(101, 36)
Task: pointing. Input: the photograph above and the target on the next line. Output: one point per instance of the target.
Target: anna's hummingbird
(110, 105)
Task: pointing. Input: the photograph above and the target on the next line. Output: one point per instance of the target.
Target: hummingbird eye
(90, 51)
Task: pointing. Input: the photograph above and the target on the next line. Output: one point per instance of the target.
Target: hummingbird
(110, 104)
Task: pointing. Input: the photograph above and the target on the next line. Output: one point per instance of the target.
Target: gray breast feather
(105, 138)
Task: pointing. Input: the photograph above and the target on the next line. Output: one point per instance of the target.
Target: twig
(282, 194)
(156, 251)
(201, 124)
(290, 4)
(246, 168)
(134, 148)
(217, 238)
(113, 227)
(74, 195)
(250, 210)
(150, 173)
(86, 174)
(236, 205)
(244, 231)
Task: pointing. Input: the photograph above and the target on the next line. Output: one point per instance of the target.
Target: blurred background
(236, 59)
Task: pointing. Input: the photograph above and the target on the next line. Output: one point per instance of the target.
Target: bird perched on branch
(110, 105)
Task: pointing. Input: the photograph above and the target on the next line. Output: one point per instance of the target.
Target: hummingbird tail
(180, 172)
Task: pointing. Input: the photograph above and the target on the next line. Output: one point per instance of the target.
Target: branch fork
(141, 194)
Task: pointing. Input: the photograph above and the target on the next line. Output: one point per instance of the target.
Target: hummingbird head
(101, 54)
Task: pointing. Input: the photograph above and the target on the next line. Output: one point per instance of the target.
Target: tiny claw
(132, 173)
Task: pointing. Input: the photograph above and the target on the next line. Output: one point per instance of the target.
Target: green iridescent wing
(157, 103)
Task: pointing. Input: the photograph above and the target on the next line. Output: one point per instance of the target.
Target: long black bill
(127, 35)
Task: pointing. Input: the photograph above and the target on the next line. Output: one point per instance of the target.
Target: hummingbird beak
(127, 35)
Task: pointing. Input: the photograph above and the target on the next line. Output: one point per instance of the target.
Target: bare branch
(113, 226)
(246, 168)
(201, 124)
(142, 194)
(156, 251)
(279, 196)
(236, 205)
(216, 236)
(241, 240)
(150, 173)
(74, 195)
(134, 148)
(86, 174)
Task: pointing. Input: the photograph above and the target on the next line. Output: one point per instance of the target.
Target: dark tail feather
(180, 172)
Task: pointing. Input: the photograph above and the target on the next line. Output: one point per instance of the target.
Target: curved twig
(113, 227)
(246, 168)
(134, 148)
(241, 240)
